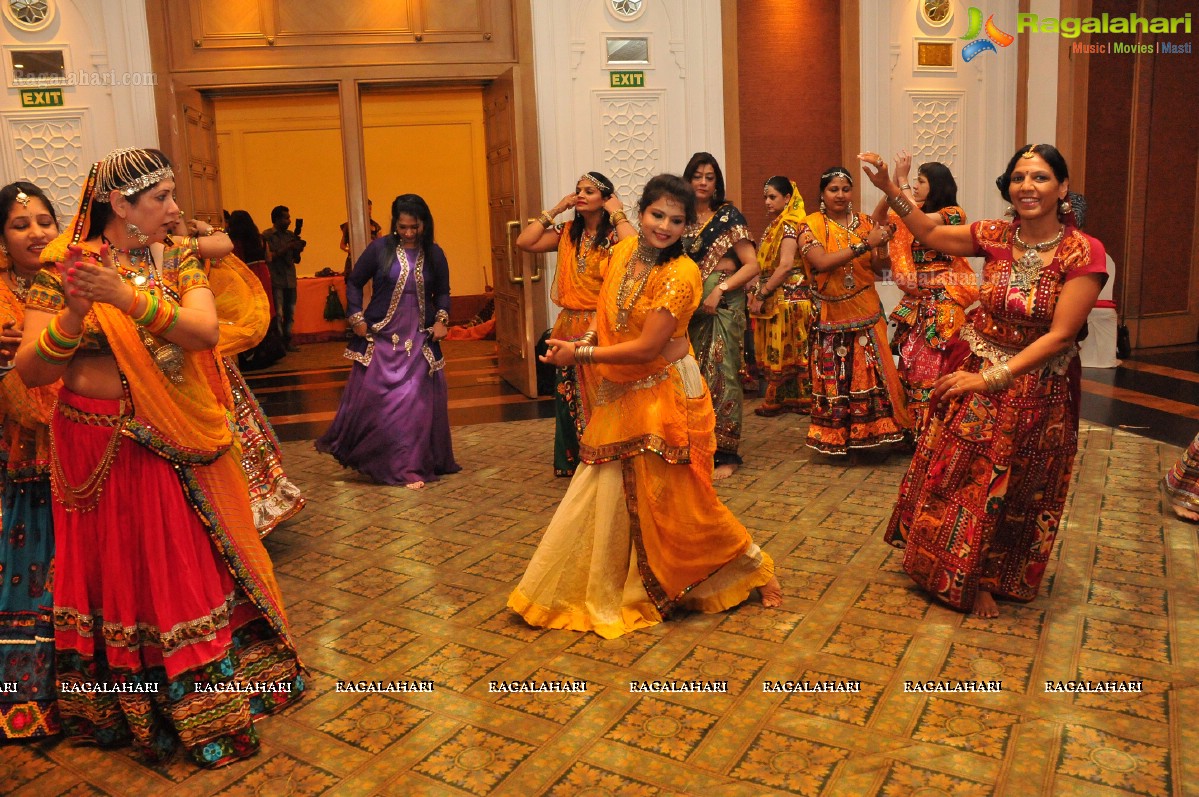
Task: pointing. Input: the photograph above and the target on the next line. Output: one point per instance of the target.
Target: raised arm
(539, 235)
(953, 240)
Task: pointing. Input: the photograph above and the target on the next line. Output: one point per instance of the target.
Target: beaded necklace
(647, 255)
(854, 222)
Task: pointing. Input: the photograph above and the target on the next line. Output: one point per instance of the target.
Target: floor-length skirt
(636, 539)
(393, 423)
(922, 356)
(781, 346)
(980, 505)
(857, 399)
(1182, 482)
(157, 644)
(718, 340)
(26, 612)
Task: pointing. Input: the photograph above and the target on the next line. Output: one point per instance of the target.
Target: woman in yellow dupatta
(641, 531)
(857, 399)
(168, 622)
(781, 321)
(583, 245)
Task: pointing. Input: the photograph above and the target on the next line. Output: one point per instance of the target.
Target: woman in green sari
(720, 244)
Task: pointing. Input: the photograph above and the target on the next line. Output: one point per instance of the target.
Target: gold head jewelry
(129, 170)
(594, 181)
(1029, 153)
(22, 197)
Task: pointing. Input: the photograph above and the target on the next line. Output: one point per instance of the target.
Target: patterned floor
(388, 584)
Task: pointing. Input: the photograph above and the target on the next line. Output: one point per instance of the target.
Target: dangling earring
(3, 247)
(1064, 207)
(851, 208)
(1010, 212)
(134, 232)
(822, 207)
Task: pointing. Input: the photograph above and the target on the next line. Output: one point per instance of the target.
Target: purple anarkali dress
(393, 421)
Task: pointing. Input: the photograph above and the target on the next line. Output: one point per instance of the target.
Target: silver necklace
(1026, 269)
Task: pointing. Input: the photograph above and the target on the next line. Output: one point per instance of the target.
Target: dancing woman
(393, 423)
(937, 288)
(161, 584)
(641, 532)
(857, 398)
(782, 305)
(979, 508)
(720, 244)
(583, 245)
(27, 540)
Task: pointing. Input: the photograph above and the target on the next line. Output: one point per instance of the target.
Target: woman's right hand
(359, 329)
(880, 176)
(755, 304)
(76, 302)
(566, 203)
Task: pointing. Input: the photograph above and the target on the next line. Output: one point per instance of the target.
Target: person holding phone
(283, 253)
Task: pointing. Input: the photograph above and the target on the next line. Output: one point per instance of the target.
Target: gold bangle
(900, 205)
(546, 219)
(590, 338)
(618, 218)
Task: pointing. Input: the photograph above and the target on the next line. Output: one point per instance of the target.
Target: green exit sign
(631, 79)
(41, 98)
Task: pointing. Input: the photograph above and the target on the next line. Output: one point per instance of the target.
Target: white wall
(629, 134)
(964, 117)
(104, 40)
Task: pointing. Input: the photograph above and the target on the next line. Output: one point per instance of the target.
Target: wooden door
(513, 189)
(193, 152)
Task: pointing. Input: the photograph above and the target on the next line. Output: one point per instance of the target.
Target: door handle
(512, 277)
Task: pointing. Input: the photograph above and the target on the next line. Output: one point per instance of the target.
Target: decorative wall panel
(632, 139)
(936, 119)
(51, 152)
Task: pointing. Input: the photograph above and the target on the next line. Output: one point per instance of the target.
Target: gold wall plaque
(935, 54)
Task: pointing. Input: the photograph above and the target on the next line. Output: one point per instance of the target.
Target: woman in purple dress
(393, 423)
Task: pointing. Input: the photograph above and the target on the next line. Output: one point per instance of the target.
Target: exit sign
(634, 79)
(41, 98)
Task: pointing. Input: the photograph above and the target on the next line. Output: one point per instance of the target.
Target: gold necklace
(647, 255)
(20, 285)
(586, 246)
(854, 222)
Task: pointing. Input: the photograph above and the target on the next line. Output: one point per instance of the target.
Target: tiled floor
(389, 584)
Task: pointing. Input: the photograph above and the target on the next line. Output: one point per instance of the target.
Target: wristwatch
(724, 286)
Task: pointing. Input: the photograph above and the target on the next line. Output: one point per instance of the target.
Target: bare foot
(984, 605)
(1182, 512)
(415, 485)
(772, 594)
(723, 472)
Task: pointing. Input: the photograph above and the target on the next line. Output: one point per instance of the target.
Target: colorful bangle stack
(55, 346)
(159, 317)
(997, 378)
(132, 308)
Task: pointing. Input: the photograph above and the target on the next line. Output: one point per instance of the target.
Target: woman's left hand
(903, 166)
(755, 304)
(712, 302)
(956, 384)
(100, 281)
(10, 339)
(439, 331)
(560, 353)
(613, 204)
(880, 175)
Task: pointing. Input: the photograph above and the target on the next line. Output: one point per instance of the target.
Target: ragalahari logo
(977, 46)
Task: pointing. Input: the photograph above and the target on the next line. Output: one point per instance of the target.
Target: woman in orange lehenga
(980, 505)
(781, 322)
(857, 398)
(583, 245)
(937, 288)
(168, 623)
(641, 531)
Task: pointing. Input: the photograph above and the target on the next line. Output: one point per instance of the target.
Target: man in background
(283, 248)
(345, 236)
